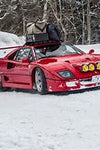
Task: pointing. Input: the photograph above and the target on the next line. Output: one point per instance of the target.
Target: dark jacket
(53, 32)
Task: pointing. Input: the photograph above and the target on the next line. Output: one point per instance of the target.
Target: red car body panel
(20, 74)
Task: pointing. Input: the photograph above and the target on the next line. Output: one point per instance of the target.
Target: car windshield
(62, 50)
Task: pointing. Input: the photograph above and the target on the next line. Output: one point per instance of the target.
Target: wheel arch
(33, 73)
(40, 81)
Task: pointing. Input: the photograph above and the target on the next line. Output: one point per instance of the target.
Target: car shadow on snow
(53, 93)
(20, 90)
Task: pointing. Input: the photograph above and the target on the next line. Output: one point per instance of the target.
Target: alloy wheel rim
(38, 81)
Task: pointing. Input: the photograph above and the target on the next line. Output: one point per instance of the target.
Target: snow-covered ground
(29, 121)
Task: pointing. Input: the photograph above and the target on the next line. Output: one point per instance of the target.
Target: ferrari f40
(50, 67)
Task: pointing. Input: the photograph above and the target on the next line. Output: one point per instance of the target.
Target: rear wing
(5, 50)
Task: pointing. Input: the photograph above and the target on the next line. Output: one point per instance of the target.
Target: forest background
(78, 20)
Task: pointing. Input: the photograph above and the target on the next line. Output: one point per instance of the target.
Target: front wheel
(40, 81)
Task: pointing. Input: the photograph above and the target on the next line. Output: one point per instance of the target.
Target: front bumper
(76, 84)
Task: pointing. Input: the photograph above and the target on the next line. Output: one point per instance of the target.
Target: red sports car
(50, 67)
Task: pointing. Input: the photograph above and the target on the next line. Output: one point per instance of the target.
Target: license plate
(96, 78)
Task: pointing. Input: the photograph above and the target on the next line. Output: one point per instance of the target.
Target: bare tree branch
(4, 16)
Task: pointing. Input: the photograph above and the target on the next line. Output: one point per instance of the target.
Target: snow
(9, 40)
(29, 121)
(86, 48)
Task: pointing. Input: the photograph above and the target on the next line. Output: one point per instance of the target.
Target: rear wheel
(40, 81)
(3, 88)
(0, 84)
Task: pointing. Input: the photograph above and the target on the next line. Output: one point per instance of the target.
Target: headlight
(85, 68)
(98, 66)
(66, 74)
(91, 67)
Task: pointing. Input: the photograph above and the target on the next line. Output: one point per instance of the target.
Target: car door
(18, 70)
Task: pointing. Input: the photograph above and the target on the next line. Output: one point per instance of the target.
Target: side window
(22, 53)
(40, 53)
(31, 57)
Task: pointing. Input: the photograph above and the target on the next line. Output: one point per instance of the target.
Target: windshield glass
(62, 50)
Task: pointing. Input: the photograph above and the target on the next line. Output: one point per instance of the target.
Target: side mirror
(91, 51)
(25, 60)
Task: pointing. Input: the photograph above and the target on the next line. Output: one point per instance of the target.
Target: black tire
(0, 86)
(4, 88)
(40, 81)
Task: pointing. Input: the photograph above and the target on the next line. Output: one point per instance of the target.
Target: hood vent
(67, 61)
(87, 58)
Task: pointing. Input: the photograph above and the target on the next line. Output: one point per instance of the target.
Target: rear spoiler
(34, 44)
(4, 48)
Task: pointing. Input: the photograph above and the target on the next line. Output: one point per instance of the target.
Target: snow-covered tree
(78, 20)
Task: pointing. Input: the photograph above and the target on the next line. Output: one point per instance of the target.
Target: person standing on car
(53, 32)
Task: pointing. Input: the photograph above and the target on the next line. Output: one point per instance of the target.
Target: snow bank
(86, 48)
(8, 40)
